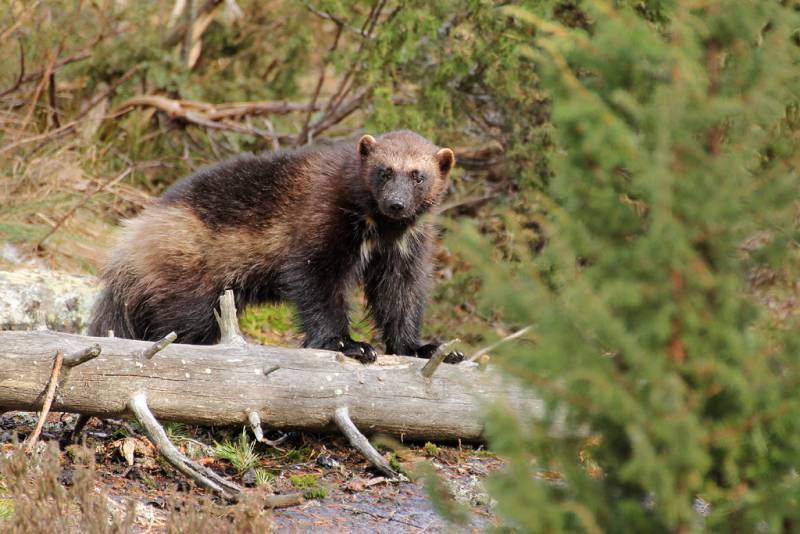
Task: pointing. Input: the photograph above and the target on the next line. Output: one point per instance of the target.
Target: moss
(310, 485)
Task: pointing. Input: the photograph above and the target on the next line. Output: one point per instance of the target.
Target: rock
(249, 478)
(63, 301)
(327, 461)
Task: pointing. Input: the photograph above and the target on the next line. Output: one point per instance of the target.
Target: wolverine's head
(405, 172)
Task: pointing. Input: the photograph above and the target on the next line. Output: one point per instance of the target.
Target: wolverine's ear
(366, 145)
(446, 159)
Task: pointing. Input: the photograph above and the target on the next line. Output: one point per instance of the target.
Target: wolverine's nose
(395, 206)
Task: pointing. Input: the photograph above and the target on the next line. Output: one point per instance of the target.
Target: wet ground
(343, 493)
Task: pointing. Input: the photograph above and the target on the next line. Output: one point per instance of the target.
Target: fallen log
(298, 389)
(234, 382)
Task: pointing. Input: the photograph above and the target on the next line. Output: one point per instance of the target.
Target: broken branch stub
(84, 355)
(227, 320)
(437, 359)
(221, 385)
(158, 346)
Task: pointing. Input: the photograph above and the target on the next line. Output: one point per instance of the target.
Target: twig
(158, 346)
(339, 113)
(515, 335)
(258, 432)
(48, 136)
(88, 195)
(436, 359)
(336, 20)
(469, 201)
(77, 56)
(21, 71)
(48, 401)
(355, 510)
(301, 137)
(113, 87)
(227, 320)
(82, 356)
(342, 419)
(38, 91)
(51, 99)
(331, 114)
(283, 501)
(202, 475)
(178, 108)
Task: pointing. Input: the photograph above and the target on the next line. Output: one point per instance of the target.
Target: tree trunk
(287, 388)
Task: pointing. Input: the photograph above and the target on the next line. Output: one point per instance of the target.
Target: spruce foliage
(675, 182)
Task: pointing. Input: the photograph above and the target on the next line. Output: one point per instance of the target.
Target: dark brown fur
(301, 226)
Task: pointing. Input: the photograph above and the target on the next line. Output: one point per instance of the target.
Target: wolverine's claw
(426, 351)
(454, 357)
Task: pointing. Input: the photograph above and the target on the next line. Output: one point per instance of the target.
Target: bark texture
(287, 388)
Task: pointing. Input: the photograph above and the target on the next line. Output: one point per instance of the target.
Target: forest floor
(342, 493)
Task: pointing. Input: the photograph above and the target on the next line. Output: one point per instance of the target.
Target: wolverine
(302, 226)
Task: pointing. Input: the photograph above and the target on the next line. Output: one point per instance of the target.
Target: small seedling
(264, 477)
(241, 453)
(431, 449)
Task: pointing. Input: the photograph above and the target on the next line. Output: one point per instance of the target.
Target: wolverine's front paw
(363, 352)
(426, 351)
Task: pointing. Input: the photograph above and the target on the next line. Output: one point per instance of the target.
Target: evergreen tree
(675, 180)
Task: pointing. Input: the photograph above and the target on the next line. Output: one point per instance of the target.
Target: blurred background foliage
(627, 187)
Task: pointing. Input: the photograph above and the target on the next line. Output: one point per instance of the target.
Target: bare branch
(336, 20)
(38, 91)
(301, 137)
(48, 401)
(113, 87)
(342, 419)
(178, 108)
(202, 475)
(21, 71)
(515, 335)
(88, 195)
(78, 56)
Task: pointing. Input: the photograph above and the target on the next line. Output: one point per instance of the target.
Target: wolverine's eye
(417, 177)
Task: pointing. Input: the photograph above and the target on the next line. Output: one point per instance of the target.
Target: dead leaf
(127, 448)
